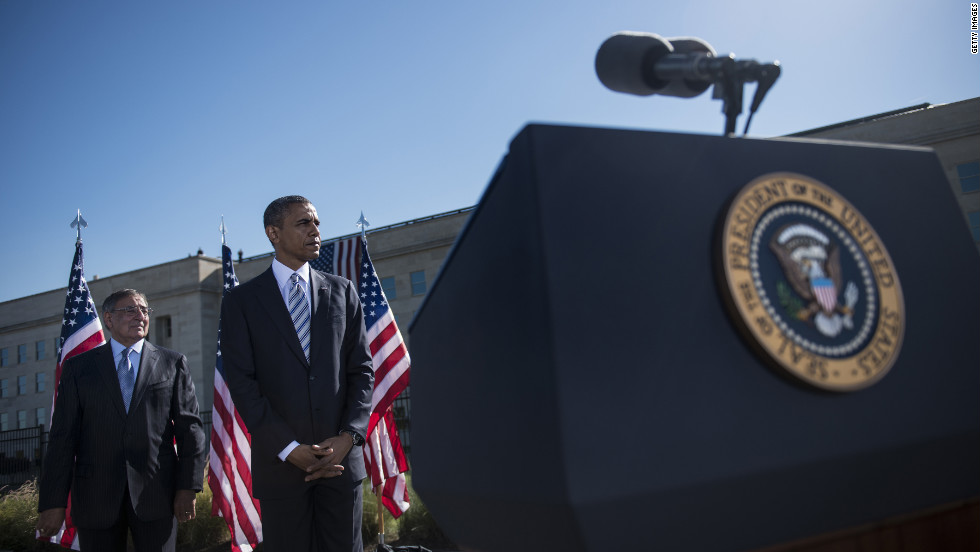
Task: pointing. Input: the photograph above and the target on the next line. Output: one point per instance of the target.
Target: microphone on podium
(645, 64)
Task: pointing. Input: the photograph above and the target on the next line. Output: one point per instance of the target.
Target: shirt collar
(283, 272)
(118, 348)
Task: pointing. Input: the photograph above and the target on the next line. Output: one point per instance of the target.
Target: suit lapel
(148, 368)
(107, 370)
(320, 293)
(271, 300)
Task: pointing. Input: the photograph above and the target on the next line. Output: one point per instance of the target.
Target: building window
(21, 385)
(4, 422)
(21, 354)
(974, 217)
(41, 415)
(3, 389)
(39, 350)
(4, 356)
(969, 174)
(21, 419)
(39, 382)
(388, 287)
(418, 283)
(165, 330)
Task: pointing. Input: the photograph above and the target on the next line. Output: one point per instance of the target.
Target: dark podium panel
(578, 384)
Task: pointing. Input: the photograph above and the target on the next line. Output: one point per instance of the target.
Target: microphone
(645, 64)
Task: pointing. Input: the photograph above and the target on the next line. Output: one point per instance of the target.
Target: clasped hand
(322, 460)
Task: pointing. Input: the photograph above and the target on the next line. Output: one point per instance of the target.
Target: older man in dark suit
(298, 366)
(121, 409)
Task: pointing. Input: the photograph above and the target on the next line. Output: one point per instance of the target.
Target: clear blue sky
(156, 118)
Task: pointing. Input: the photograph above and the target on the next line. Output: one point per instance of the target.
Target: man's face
(128, 328)
(298, 241)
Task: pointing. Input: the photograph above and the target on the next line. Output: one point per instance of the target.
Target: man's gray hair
(111, 300)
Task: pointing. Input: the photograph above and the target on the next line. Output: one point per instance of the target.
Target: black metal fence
(22, 450)
(21, 453)
(402, 409)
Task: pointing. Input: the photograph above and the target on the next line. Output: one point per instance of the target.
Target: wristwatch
(358, 440)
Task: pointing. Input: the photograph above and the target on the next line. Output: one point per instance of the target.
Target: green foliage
(369, 523)
(18, 515)
(416, 526)
(204, 531)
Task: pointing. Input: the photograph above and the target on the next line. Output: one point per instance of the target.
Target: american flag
(383, 455)
(80, 331)
(230, 471)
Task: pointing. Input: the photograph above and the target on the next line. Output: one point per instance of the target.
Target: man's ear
(272, 233)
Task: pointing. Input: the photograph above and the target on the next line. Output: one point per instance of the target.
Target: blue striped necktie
(127, 378)
(299, 311)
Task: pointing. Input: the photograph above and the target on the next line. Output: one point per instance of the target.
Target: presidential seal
(810, 283)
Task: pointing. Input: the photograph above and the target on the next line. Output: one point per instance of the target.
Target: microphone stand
(728, 88)
(729, 81)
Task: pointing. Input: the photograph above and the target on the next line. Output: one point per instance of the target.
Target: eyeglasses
(131, 311)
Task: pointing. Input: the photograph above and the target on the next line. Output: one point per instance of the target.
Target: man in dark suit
(121, 409)
(298, 366)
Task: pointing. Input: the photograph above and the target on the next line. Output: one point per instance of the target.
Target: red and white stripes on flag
(80, 331)
(230, 467)
(384, 457)
(340, 257)
(385, 461)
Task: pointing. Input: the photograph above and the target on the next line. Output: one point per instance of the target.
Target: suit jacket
(98, 451)
(280, 395)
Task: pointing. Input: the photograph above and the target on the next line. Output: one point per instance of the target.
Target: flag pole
(362, 223)
(381, 516)
(78, 224)
(80, 331)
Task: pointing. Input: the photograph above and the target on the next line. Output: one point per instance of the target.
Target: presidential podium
(583, 377)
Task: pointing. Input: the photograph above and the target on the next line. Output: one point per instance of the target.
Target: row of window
(969, 175)
(40, 418)
(39, 385)
(40, 353)
(417, 280)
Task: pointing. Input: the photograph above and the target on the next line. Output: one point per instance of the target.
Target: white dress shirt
(283, 276)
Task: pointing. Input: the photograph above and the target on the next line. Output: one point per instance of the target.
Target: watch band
(358, 441)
